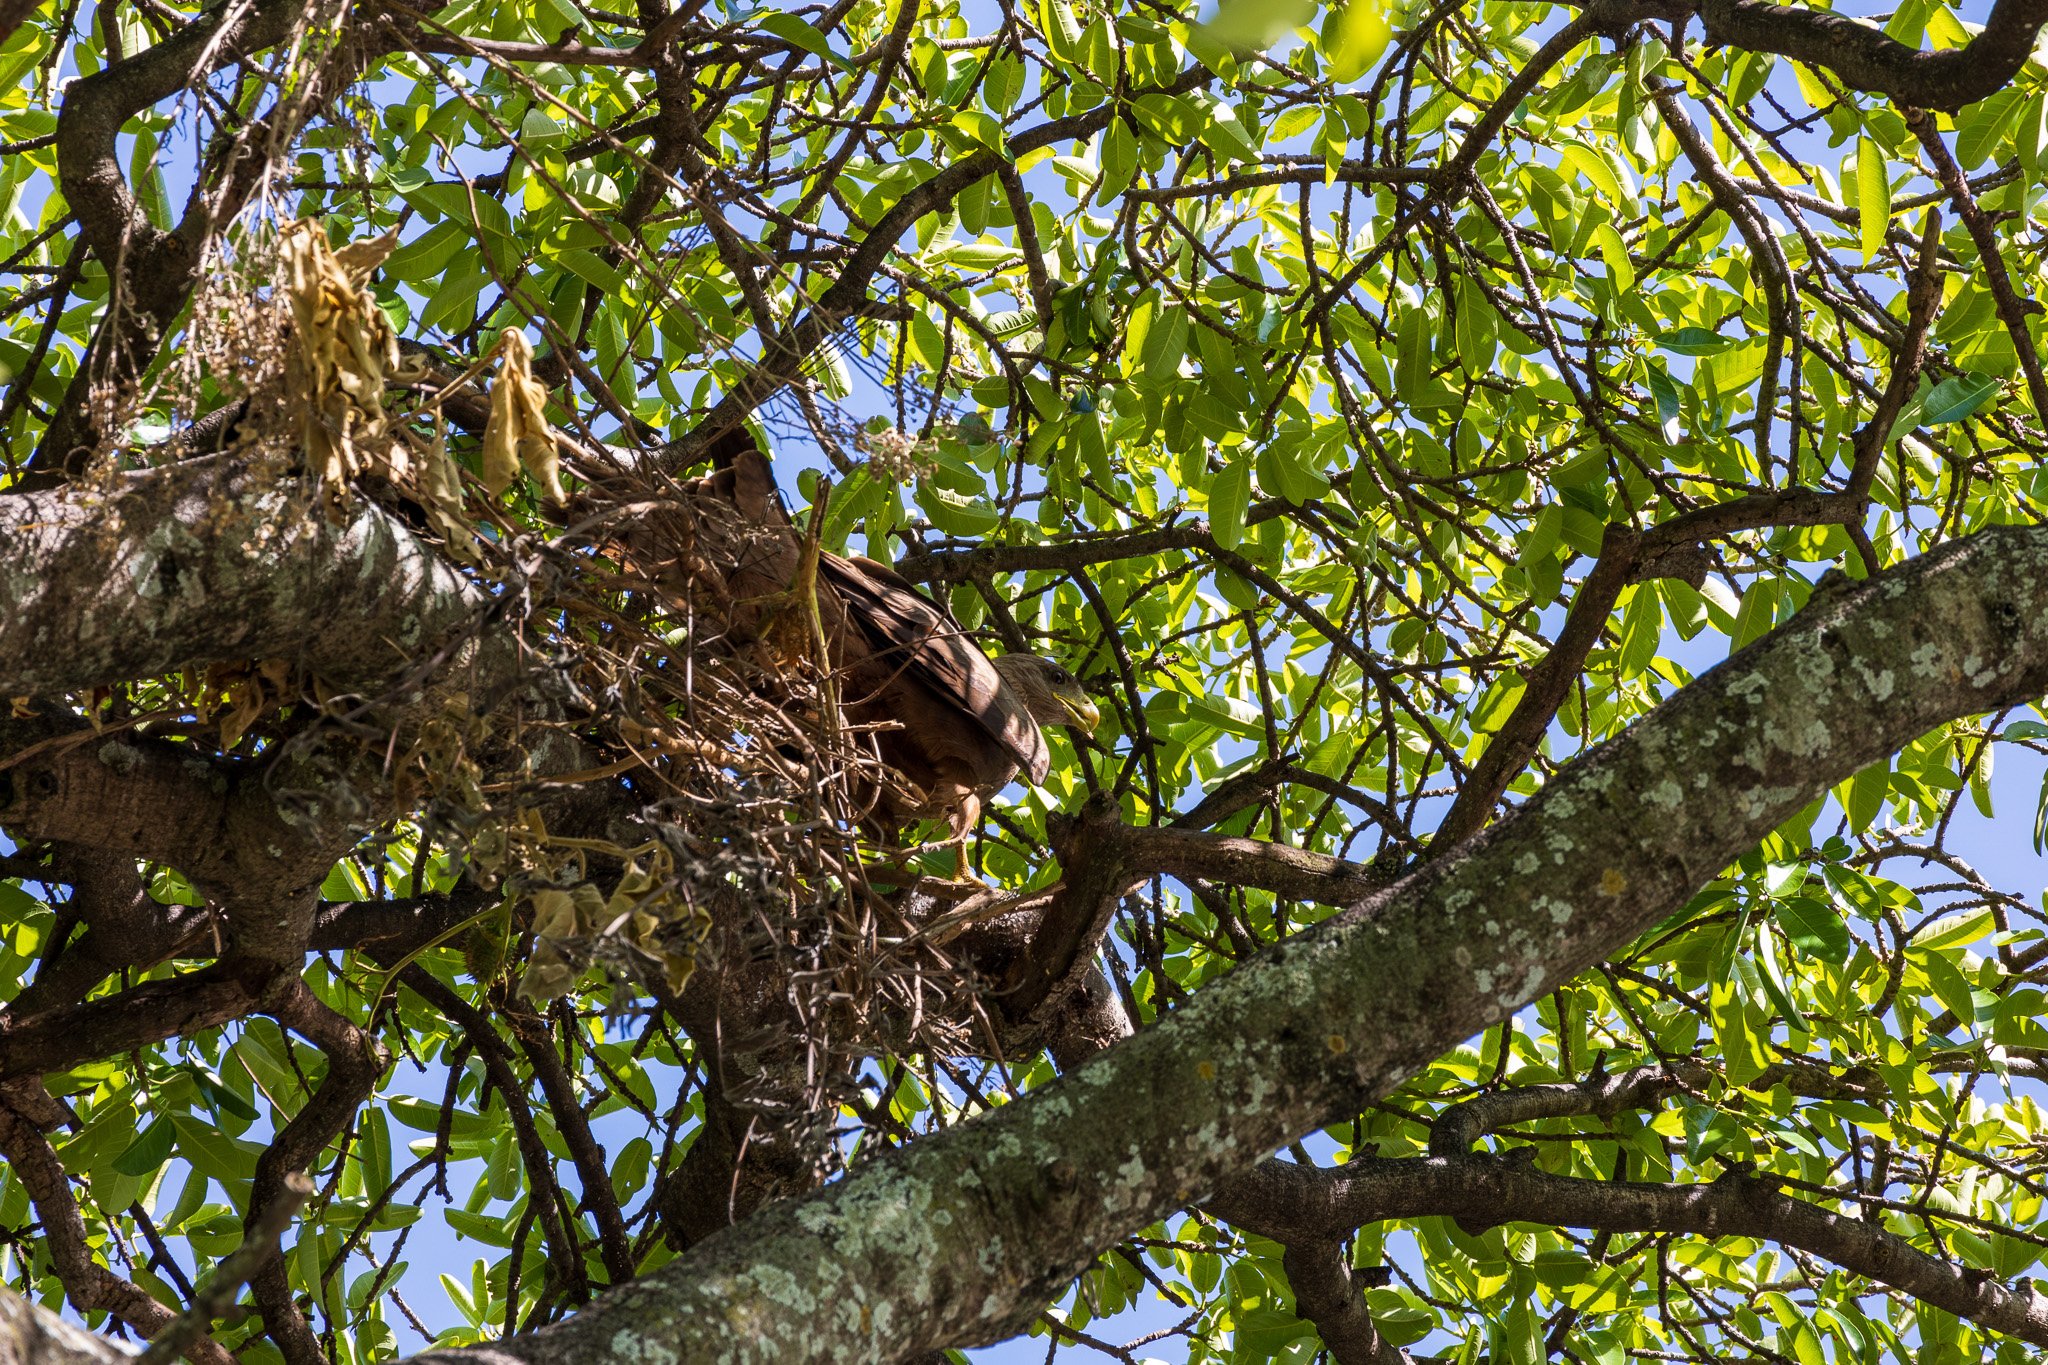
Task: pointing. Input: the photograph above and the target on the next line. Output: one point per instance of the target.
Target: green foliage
(1380, 425)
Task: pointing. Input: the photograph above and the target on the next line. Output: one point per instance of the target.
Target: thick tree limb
(1863, 56)
(1460, 1126)
(207, 561)
(137, 1017)
(962, 1237)
(35, 1336)
(1295, 873)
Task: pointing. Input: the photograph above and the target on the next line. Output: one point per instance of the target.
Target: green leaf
(984, 128)
(1873, 196)
(1062, 30)
(1222, 131)
(1355, 37)
(228, 1160)
(1165, 344)
(1641, 629)
(957, 514)
(978, 255)
(1766, 961)
(1413, 359)
(1707, 1130)
(1003, 83)
(494, 1232)
(1665, 391)
(1169, 116)
(1693, 341)
(150, 1150)
(1814, 928)
(1867, 791)
(1229, 715)
(1758, 614)
(589, 268)
(2041, 819)
(1950, 986)
(1230, 492)
(344, 883)
(1119, 159)
(1955, 931)
(1593, 168)
(538, 129)
(1955, 398)
(791, 29)
(1982, 126)
(1255, 25)
(1614, 252)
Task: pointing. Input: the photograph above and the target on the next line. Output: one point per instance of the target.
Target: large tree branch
(209, 561)
(135, 1018)
(1863, 56)
(962, 1237)
(35, 1336)
(1328, 1295)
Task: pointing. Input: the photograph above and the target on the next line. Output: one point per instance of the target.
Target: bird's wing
(906, 630)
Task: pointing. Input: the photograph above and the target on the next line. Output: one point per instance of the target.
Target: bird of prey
(953, 724)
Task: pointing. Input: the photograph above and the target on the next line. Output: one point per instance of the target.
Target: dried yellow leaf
(554, 914)
(360, 259)
(345, 349)
(517, 432)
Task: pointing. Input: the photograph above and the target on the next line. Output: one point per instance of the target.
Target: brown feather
(909, 633)
(942, 716)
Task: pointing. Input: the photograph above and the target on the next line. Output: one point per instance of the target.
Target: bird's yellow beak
(1087, 715)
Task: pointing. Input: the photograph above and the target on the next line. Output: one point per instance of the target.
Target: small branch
(1458, 1128)
(354, 1062)
(564, 1251)
(1326, 1293)
(32, 1335)
(1763, 249)
(218, 1293)
(2012, 309)
(1294, 873)
(584, 1150)
(1545, 689)
(142, 1015)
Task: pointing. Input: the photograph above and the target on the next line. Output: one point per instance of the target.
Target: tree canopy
(436, 891)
